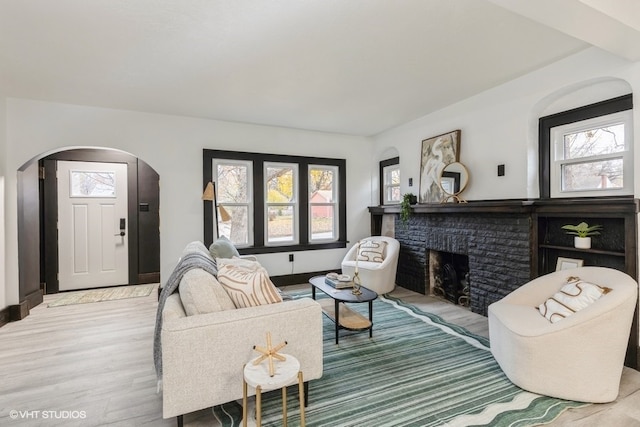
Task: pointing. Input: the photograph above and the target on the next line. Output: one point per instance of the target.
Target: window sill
(291, 248)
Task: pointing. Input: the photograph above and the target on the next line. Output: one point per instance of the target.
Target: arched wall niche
(563, 99)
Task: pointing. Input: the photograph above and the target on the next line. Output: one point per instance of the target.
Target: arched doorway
(38, 221)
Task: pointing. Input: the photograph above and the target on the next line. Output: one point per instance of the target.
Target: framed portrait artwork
(437, 152)
(568, 263)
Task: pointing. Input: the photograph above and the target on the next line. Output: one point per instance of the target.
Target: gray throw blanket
(187, 262)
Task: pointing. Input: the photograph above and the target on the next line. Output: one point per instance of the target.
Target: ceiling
(356, 67)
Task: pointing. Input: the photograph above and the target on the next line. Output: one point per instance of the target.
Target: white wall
(500, 125)
(173, 146)
(3, 157)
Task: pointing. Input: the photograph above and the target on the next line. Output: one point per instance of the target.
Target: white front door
(92, 225)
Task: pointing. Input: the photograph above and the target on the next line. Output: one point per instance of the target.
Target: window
(323, 202)
(92, 184)
(276, 203)
(281, 189)
(235, 201)
(390, 181)
(588, 151)
(593, 157)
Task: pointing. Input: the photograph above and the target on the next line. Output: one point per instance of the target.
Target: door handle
(123, 226)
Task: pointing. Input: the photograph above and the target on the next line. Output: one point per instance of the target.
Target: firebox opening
(449, 277)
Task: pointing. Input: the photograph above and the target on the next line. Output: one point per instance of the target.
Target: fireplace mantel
(507, 206)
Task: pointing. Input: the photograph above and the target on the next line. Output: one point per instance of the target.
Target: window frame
(250, 204)
(293, 204)
(545, 143)
(383, 165)
(259, 200)
(557, 162)
(334, 204)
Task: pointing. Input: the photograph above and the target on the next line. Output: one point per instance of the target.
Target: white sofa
(579, 357)
(377, 276)
(203, 354)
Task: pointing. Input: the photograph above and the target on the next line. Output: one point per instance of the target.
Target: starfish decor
(270, 353)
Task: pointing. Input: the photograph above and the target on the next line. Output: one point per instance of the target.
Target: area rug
(104, 294)
(417, 370)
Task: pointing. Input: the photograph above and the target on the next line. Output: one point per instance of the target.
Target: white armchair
(577, 358)
(377, 276)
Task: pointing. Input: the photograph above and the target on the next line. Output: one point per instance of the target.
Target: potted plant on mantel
(582, 233)
(408, 199)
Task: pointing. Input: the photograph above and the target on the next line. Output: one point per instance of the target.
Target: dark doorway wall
(37, 223)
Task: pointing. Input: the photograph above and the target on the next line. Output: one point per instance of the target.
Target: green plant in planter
(405, 207)
(582, 230)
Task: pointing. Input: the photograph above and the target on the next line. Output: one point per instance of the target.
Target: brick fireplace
(497, 245)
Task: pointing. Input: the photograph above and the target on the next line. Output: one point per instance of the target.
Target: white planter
(582, 242)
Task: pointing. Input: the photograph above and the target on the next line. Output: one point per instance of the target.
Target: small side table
(257, 376)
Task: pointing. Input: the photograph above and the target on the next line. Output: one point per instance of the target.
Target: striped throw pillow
(247, 283)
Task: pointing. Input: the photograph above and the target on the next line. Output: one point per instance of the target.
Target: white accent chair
(578, 358)
(377, 276)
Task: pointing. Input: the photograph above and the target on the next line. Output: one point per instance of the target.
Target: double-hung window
(588, 151)
(234, 196)
(593, 157)
(323, 203)
(275, 203)
(281, 203)
(390, 181)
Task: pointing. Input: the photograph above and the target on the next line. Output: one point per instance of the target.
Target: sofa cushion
(372, 251)
(223, 248)
(572, 297)
(201, 293)
(247, 283)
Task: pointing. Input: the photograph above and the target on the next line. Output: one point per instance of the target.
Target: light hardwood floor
(94, 361)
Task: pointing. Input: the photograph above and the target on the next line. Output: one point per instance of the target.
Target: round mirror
(453, 180)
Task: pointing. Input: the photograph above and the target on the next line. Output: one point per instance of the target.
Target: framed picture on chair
(568, 263)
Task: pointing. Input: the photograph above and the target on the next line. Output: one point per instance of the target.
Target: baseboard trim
(296, 279)
(4, 316)
(19, 311)
(144, 278)
(34, 298)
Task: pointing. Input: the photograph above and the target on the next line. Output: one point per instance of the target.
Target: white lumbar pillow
(572, 297)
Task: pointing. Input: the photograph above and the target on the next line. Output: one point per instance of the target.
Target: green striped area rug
(417, 370)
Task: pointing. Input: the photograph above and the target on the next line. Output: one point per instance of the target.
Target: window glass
(593, 157)
(281, 204)
(599, 175)
(234, 199)
(323, 199)
(93, 184)
(594, 142)
(391, 184)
